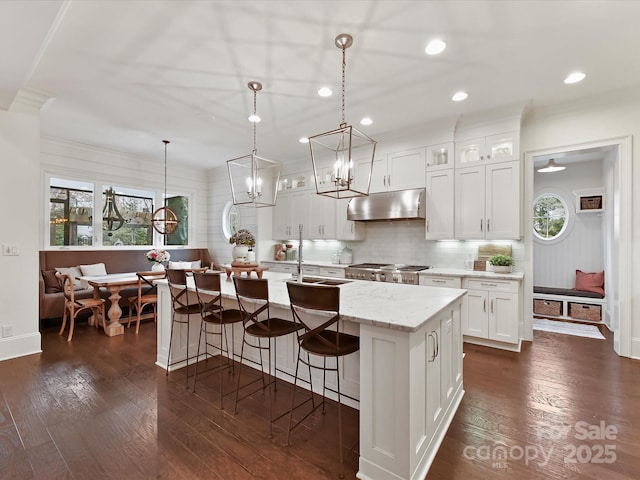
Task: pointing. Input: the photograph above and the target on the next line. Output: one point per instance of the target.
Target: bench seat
(566, 291)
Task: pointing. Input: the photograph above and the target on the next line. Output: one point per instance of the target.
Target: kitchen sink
(324, 281)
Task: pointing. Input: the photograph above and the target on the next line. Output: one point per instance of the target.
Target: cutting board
(489, 250)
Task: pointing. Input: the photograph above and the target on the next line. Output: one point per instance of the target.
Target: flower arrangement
(158, 255)
(243, 237)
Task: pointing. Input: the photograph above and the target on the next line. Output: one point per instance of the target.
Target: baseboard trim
(20, 345)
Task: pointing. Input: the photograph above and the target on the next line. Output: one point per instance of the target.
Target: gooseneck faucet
(300, 226)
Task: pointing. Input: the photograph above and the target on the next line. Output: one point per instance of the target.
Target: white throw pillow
(180, 265)
(196, 264)
(75, 272)
(93, 270)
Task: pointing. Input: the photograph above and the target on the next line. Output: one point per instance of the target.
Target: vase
(157, 267)
(502, 268)
(239, 252)
(251, 256)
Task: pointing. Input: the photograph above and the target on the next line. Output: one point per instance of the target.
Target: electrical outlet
(7, 331)
(10, 249)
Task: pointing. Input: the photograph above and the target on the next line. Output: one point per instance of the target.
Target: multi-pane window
(71, 214)
(126, 219)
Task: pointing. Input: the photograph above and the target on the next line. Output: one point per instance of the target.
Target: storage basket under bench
(565, 303)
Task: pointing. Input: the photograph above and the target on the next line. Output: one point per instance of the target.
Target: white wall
(582, 244)
(21, 200)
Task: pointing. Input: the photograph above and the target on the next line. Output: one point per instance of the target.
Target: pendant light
(164, 219)
(110, 213)
(551, 166)
(253, 179)
(334, 154)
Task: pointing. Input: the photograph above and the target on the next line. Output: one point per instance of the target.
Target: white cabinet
(434, 373)
(290, 211)
(440, 156)
(441, 281)
(490, 310)
(280, 267)
(503, 147)
(347, 229)
(397, 171)
(487, 201)
(335, 272)
(439, 204)
(320, 217)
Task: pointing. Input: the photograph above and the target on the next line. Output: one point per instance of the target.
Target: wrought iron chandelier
(254, 179)
(334, 154)
(164, 219)
(110, 213)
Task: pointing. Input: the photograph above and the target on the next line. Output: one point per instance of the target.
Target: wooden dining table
(114, 283)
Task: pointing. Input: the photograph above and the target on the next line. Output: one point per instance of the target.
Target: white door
(503, 317)
(281, 218)
(406, 169)
(469, 202)
(503, 200)
(439, 205)
(475, 316)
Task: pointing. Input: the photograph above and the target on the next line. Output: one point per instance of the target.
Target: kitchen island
(407, 374)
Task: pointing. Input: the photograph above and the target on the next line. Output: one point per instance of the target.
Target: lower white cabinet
(490, 310)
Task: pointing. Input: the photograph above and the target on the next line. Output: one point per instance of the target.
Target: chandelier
(110, 213)
(254, 179)
(334, 154)
(165, 220)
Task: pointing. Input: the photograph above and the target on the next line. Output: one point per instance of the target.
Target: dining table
(114, 283)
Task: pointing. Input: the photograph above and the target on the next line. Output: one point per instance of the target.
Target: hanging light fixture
(164, 219)
(110, 213)
(551, 166)
(254, 179)
(334, 153)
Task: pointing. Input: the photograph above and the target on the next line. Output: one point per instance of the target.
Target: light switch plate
(10, 249)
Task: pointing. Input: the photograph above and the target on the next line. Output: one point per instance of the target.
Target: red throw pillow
(590, 282)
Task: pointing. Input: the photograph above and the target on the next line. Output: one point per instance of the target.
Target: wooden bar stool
(324, 340)
(253, 301)
(214, 315)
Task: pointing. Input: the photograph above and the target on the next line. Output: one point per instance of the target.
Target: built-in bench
(568, 303)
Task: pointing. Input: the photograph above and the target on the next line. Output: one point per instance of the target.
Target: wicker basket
(584, 311)
(547, 307)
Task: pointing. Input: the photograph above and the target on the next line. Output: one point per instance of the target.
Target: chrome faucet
(300, 226)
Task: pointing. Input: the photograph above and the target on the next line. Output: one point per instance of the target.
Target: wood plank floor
(98, 408)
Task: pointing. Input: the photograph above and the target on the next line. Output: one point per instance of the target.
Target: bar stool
(213, 314)
(181, 310)
(321, 302)
(253, 301)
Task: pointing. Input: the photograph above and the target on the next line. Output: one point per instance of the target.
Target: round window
(550, 216)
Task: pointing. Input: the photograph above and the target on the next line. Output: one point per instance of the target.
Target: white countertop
(388, 305)
(461, 272)
(307, 262)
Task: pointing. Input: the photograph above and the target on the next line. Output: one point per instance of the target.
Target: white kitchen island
(407, 374)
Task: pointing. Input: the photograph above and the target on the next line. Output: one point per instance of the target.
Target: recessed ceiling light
(254, 118)
(574, 77)
(459, 96)
(304, 140)
(435, 46)
(325, 92)
(366, 121)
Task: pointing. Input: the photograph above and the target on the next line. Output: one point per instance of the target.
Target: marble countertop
(388, 305)
(461, 272)
(307, 262)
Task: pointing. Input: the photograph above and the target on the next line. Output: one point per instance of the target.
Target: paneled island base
(407, 375)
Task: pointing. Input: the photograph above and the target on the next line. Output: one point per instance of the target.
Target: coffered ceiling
(124, 75)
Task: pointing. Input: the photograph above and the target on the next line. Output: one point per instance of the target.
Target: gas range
(383, 272)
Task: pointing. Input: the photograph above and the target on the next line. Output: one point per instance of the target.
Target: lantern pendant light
(165, 220)
(336, 154)
(110, 213)
(254, 179)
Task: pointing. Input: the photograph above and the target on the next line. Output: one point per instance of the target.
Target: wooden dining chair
(73, 306)
(147, 295)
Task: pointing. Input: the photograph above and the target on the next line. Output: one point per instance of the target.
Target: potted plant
(501, 263)
(244, 241)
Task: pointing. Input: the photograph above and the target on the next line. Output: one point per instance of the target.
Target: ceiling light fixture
(435, 46)
(366, 121)
(574, 77)
(165, 220)
(253, 178)
(110, 213)
(325, 92)
(551, 166)
(459, 96)
(333, 152)
(304, 140)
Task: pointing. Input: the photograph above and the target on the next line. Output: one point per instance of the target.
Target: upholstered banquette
(115, 261)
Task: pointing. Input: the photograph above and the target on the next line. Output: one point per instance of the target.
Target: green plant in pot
(501, 263)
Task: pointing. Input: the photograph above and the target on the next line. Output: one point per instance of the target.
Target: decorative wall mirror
(230, 219)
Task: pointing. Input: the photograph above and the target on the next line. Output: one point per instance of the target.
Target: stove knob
(383, 277)
(372, 276)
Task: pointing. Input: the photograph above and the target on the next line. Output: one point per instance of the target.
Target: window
(180, 205)
(70, 213)
(136, 210)
(550, 216)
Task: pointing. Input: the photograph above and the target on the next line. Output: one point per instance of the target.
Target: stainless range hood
(400, 205)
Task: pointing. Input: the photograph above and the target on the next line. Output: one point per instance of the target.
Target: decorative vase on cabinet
(240, 251)
(157, 267)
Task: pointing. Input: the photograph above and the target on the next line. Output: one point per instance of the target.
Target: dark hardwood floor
(98, 408)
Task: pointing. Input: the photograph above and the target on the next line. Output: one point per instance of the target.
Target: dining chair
(215, 319)
(182, 307)
(147, 294)
(253, 302)
(321, 338)
(73, 306)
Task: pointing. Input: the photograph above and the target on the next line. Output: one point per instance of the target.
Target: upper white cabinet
(321, 217)
(290, 212)
(503, 147)
(347, 229)
(439, 204)
(487, 201)
(397, 171)
(440, 156)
